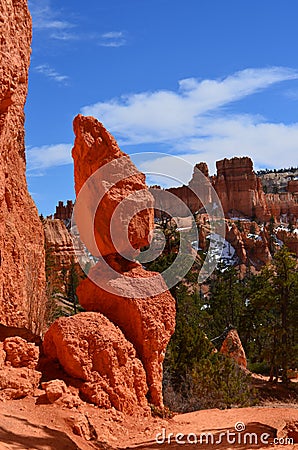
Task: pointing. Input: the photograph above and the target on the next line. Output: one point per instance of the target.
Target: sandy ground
(25, 424)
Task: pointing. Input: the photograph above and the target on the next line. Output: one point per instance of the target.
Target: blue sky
(202, 79)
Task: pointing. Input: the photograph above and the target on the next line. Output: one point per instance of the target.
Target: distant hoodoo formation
(133, 320)
(22, 273)
(232, 347)
(241, 192)
(239, 188)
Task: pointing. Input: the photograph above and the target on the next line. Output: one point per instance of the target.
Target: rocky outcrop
(234, 237)
(195, 195)
(289, 239)
(135, 300)
(292, 186)
(92, 349)
(22, 277)
(59, 243)
(147, 320)
(283, 206)
(239, 188)
(61, 255)
(18, 374)
(64, 212)
(232, 347)
(250, 242)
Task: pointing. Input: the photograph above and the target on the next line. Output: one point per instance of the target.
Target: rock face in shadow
(22, 277)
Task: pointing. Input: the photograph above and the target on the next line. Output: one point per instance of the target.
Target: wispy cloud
(46, 19)
(113, 39)
(292, 94)
(51, 73)
(46, 156)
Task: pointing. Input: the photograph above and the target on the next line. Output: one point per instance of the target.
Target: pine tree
(274, 306)
(226, 300)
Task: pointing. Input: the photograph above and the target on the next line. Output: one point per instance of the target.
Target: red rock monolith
(132, 298)
(96, 152)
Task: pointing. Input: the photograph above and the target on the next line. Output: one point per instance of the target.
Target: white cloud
(112, 35)
(49, 72)
(39, 158)
(164, 116)
(194, 122)
(195, 119)
(112, 39)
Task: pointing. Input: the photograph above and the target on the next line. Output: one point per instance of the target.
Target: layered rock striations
(61, 255)
(283, 206)
(22, 276)
(58, 241)
(129, 297)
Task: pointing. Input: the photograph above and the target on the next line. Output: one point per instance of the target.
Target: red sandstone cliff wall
(21, 235)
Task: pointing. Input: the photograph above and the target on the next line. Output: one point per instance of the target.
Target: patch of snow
(224, 251)
(195, 245)
(239, 218)
(256, 237)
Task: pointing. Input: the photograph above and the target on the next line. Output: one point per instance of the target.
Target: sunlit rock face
(92, 349)
(22, 274)
(239, 188)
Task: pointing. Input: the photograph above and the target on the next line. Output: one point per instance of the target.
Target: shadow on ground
(46, 438)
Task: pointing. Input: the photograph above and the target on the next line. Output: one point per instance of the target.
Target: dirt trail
(27, 425)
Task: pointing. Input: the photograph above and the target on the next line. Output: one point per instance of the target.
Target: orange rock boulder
(20, 353)
(147, 320)
(91, 349)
